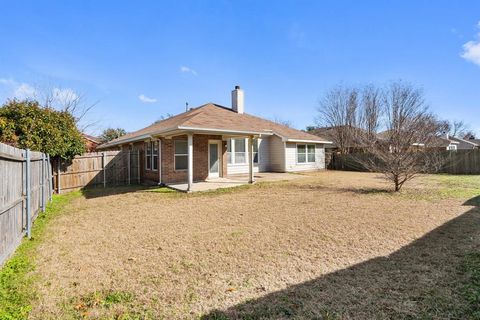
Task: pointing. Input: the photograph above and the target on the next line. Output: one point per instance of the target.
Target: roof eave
(226, 131)
(307, 141)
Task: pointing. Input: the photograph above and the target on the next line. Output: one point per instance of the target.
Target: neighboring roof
(91, 138)
(213, 117)
(443, 142)
(465, 144)
(330, 133)
(477, 141)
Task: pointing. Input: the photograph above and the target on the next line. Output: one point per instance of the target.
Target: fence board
(97, 169)
(13, 219)
(456, 162)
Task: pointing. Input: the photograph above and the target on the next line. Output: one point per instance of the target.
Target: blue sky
(143, 59)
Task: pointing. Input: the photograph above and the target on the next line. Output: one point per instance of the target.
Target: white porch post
(251, 178)
(190, 161)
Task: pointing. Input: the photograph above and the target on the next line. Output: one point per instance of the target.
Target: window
(255, 150)
(155, 155)
(151, 155)
(305, 153)
(148, 155)
(181, 155)
(239, 150)
(452, 147)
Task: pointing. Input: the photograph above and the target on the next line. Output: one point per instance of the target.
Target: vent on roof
(238, 100)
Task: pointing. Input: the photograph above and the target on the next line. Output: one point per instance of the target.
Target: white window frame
(179, 155)
(154, 143)
(152, 155)
(147, 155)
(306, 153)
(452, 147)
(232, 152)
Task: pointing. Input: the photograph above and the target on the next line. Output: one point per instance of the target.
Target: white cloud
(471, 49)
(146, 99)
(8, 82)
(24, 91)
(186, 69)
(64, 95)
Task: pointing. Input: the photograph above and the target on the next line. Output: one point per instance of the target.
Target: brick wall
(200, 159)
(169, 174)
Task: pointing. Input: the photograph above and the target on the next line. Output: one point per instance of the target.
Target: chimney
(237, 100)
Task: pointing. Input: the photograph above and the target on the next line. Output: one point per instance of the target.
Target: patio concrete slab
(232, 181)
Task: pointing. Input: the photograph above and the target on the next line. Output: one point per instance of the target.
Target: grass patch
(471, 288)
(459, 186)
(16, 293)
(161, 190)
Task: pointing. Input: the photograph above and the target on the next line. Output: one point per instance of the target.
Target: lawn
(328, 245)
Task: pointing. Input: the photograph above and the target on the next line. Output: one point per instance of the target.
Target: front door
(214, 159)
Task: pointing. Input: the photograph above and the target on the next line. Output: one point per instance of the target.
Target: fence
(455, 162)
(97, 169)
(25, 189)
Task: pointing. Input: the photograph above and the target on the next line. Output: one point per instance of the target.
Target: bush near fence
(25, 189)
(456, 162)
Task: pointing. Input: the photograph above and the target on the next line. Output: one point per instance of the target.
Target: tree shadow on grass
(424, 279)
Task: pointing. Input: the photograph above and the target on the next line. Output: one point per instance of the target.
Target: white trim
(134, 139)
(146, 144)
(219, 152)
(251, 178)
(154, 142)
(308, 141)
(306, 153)
(180, 154)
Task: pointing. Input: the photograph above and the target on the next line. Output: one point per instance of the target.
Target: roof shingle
(213, 116)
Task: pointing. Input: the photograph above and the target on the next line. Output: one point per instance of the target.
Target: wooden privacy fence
(455, 162)
(97, 169)
(25, 189)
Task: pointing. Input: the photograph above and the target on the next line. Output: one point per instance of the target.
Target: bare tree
(69, 101)
(283, 122)
(459, 129)
(455, 128)
(407, 146)
(338, 111)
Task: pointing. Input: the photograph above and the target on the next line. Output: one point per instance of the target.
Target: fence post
(104, 171)
(49, 177)
(28, 192)
(42, 185)
(128, 166)
(58, 176)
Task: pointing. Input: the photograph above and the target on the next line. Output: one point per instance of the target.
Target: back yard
(327, 245)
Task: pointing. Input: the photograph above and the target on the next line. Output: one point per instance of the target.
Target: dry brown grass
(330, 244)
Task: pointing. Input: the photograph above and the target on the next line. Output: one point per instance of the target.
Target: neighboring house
(91, 142)
(213, 141)
(331, 134)
(464, 144)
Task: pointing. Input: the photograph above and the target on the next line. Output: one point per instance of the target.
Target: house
(464, 144)
(352, 142)
(91, 142)
(214, 141)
